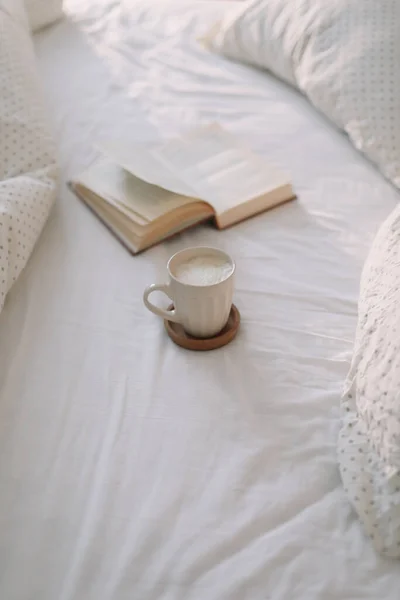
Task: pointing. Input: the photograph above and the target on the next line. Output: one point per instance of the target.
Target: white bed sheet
(130, 468)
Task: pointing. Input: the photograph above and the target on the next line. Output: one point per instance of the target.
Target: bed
(130, 468)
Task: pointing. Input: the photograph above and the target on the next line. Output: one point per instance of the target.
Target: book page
(143, 162)
(146, 202)
(208, 164)
(219, 169)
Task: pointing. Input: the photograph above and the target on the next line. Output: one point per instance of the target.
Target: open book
(145, 194)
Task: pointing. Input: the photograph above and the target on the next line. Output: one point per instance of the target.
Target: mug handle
(170, 315)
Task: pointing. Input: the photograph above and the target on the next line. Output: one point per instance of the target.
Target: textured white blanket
(28, 171)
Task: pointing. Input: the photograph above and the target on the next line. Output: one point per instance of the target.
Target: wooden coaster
(183, 339)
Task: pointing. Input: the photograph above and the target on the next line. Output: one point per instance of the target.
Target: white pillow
(43, 12)
(343, 54)
(369, 441)
(28, 170)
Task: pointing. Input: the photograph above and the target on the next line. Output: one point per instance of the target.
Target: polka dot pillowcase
(28, 170)
(369, 441)
(342, 54)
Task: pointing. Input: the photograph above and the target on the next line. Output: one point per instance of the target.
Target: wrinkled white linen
(130, 468)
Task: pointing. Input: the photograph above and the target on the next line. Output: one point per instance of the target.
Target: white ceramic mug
(202, 310)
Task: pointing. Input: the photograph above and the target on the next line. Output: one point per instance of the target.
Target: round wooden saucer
(183, 339)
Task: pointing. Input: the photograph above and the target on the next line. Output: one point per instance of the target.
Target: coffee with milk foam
(204, 270)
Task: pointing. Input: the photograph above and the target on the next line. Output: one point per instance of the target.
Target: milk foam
(203, 270)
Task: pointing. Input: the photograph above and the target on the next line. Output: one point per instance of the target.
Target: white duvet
(28, 169)
(130, 468)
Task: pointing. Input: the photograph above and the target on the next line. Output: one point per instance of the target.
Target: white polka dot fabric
(343, 54)
(369, 441)
(43, 12)
(28, 171)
